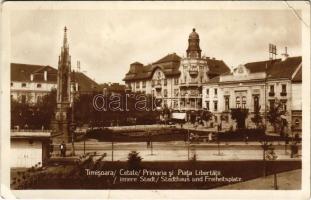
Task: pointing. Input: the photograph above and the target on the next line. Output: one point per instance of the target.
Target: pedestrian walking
(246, 139)
(62, 147)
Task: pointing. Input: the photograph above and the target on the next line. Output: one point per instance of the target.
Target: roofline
(32, 65)
(296, 71)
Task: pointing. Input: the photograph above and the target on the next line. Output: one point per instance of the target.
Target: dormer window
(24, 84)
(38, 85)
(11, 84)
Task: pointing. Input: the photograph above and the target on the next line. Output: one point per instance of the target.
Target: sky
(106, 42)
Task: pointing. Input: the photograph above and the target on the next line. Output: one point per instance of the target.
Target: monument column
(61, 121)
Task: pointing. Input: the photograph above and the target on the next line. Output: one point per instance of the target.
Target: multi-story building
(256, 85)
(176, 81)
(29, 83)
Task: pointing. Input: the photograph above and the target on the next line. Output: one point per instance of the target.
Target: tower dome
(194, 35)
(194, 50)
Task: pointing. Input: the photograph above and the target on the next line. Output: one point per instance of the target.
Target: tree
(206, 115)
(276, 117)
(35, 116)
(166, 113)
(134, 160)
(257, 119)
(239, 115)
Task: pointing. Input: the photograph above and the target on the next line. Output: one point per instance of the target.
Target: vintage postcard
(155, 100)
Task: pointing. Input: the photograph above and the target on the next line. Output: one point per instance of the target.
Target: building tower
(61, 122)
(194, 50)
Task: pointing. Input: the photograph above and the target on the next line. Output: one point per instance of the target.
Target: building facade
(29, 148)
(257, 86)
(29, 83)
(176, 82)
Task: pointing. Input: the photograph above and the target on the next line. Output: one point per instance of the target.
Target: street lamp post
(72, 115)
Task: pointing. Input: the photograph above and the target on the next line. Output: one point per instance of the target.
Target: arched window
(227, 105)
(238, 102)
(243, 102)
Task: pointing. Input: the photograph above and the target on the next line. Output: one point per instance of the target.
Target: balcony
(193, 72)
(191, 84)
(271, 94)
(283, 94)
(158, 87)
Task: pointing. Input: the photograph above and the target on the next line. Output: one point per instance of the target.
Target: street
(178, 150)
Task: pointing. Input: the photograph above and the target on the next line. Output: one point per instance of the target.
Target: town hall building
(176, 82)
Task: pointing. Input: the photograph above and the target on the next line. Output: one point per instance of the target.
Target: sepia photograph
(140, 96)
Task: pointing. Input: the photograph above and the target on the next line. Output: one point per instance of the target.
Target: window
(201, 79)
(207, 105)
(165, 82)
(165, 103)
(256, 103)
(284, 105)
(39, 98)
(297, 123)
(207, 92)
(271, 103)
(215, 105)
(283, 93)
(137, 84)
(23, 98)
(38, 85)
(237, 102)
(215, 91)
(227, 106)
(185, 79)
(165, 92)
(283, 87)
(23, 84)
(243, 102)
(144, 84)
(271, 92)
(176, 91)
(11, 84)
(175, 104)
(176, 81)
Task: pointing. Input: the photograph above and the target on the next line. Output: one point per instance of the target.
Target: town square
(156, 99)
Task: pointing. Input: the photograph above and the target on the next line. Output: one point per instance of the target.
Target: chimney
(45, 75)
(31, 77)
(285, 55)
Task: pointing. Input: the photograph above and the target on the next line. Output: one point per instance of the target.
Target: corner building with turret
(176, 82)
